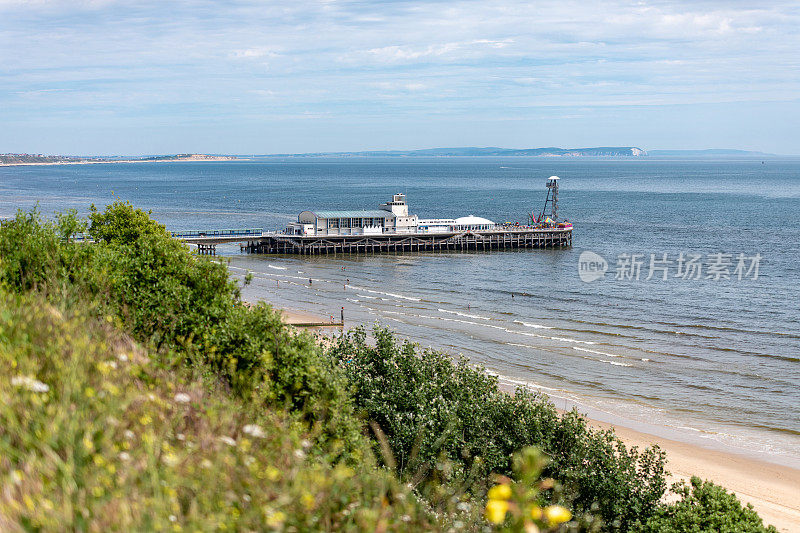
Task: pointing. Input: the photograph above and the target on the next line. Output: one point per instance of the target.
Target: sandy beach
(773, 490)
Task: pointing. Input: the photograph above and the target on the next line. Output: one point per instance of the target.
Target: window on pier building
(333, 223)
(345, 223)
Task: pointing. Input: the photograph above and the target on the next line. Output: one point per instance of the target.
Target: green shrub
(431, 407)
(121, 223)
(95, 437)
(515, 506)
(185, 306)
(705, 508)
(34, 254)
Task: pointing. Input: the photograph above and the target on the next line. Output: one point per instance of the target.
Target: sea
(676, 311)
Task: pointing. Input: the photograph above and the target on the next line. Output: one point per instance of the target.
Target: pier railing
(256, 232)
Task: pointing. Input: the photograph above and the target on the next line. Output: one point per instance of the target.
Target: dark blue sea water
(714, 361)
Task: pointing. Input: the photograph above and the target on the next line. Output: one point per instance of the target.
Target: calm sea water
(715, 362)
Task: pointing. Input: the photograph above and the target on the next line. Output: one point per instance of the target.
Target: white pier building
(391, 218)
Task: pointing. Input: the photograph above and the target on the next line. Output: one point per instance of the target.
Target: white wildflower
(254, 431)
(124, 456)
(27, 382)
(300, 454)
(227, 440)
(129, 434)
(180, 436)
(173, 518)
(182, 397)
(122, 357)
(305, 443)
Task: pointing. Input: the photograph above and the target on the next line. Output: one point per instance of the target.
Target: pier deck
(496, 239)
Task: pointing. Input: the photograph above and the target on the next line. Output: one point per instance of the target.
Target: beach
(773, 490)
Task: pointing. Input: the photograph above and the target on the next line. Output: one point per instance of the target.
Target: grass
(96, 436)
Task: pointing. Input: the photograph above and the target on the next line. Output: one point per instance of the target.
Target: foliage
(430, 406)
(121, 223)
(184, 306)
(705, 508)
(516, 506)
(33, 253)
(95, 437)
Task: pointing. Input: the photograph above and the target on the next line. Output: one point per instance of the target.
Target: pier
(391, 228)
(499, 239)
(502, 238)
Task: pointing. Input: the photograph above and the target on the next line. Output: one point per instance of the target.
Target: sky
(102, 77)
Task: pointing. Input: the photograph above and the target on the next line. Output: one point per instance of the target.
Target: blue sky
(133, 77)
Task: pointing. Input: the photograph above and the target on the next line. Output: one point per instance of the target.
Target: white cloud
(251, 53)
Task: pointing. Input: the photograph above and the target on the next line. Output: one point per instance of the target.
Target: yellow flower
(555, 514)
(500, 492)
(276, 519)
(536, 512)
(496, 511)
(273, 473)
(308, 501)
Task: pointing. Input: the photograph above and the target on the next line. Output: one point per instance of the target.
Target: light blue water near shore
(715, 362)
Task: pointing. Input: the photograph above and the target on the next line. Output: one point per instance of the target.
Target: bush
(184, 306)
(94, 437)
(431, 407)
(121, 223)
(705, 508)
(33, 253)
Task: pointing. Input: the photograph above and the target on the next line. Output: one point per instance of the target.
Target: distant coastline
(624, 152)
(13, 160)
(602, 151)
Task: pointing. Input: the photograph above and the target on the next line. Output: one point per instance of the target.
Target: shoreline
(771, 488)
(90, 162)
